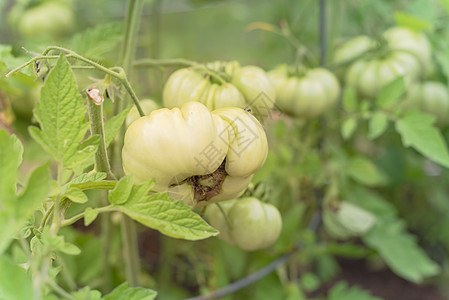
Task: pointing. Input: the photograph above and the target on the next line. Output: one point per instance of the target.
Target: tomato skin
(430, 97)
(147, 106)
(171, 147)
(247, 87)
(249, 223)
(305, 96)
(51, 19)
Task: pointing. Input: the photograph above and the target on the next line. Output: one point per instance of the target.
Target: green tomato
(371, 75)
(351, 50)
(51, 19)
(430, 97)
(305, 96)
(197, 156)
(348, 220)
(247, 223)
(247, 87)
(410, 41)
(147, 106)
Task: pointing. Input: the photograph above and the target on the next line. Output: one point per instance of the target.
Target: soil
(385, 284)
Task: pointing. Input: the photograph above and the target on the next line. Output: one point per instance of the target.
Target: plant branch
(79, 216)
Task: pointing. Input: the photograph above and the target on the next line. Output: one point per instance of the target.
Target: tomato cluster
(404, 52)
(372, 64)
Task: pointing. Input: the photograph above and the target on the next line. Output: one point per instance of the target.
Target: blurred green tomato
(50, 19)
(431, 97)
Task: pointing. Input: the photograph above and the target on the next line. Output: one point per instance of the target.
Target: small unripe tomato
(307, 95)
(247, 223)
(52, 19)
(147, 106)
(431, 97)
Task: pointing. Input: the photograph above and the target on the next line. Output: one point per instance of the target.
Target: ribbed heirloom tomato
(196, 155)
(247, 223)
(244, 87)
(307, 95)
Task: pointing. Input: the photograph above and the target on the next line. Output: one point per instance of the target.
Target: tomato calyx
(209, 185)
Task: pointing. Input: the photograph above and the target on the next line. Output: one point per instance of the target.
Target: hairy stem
(97, 128)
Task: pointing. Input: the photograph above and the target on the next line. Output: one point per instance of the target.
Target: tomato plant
(281, 147)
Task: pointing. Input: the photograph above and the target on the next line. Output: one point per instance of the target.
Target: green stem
(97, 128)
(60, 290)
(148, 62)
(107, 235)
(130, 251)
(79, 216)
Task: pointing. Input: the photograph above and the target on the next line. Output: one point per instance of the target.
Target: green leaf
(391, 93)
(91, 177)
(341, 291)
(90, 214)
(87, 294)
(413, 22)
(377, 124)
(112, 126)
(121, 191)
(58, 243)
(123, 291)
(349, 99)
(401, 252)
(310, 281)
(14, 281)
(35, 192)
(364, 171)
(61, 116)
(348, 128)
(76, 195)
(98, 41)
(11, 153)
(417, 131)
(445, 4)
(160, 212)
